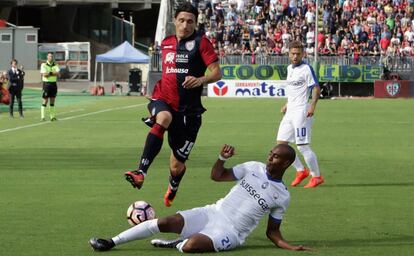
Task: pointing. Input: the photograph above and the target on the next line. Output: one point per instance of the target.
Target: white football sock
(298, 164)
(140, 231)
(180, 246)
(310, 159)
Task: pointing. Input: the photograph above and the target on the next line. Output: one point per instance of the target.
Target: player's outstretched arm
(219, 172)
(274, 234)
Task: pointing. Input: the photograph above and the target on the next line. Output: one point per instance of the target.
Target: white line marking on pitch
(72, 117)
(75, 110)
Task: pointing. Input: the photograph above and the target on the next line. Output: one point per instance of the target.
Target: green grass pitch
(62, 182)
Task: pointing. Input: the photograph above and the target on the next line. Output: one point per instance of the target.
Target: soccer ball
(139, 211)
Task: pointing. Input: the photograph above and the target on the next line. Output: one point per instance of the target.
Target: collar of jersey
(294, 66)
(188, 38)
(272, 179)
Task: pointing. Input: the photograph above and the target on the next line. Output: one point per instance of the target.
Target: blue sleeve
(312, 80)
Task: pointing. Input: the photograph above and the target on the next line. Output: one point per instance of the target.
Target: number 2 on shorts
(226, 242)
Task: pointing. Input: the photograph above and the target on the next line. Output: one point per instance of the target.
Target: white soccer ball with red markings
(140, 211)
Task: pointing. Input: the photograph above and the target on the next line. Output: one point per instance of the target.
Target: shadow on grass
(392, 240)
(317, 246)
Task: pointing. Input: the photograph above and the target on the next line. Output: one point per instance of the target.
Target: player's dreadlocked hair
(187, 7)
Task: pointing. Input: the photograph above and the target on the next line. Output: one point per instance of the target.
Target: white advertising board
(248, 88)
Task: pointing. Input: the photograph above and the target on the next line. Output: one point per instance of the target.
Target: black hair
(13, 60)
(289, 153)
(187, 7)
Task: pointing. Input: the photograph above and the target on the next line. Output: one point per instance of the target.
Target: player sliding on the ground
(225, 224)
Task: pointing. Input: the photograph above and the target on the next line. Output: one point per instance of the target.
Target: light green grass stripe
(72, 117)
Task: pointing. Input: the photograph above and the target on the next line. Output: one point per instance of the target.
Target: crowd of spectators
(350, 28)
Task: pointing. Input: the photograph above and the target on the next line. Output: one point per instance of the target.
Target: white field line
(75, 110)
(72, 117)
(60, 113)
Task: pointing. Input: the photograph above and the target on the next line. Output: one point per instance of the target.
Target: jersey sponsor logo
(145, 161)
(169, 58)
(261, 88)
(297, 83)
(265, 185)
(167, 47)
(176, 70)
(190, 45)
(220, 88)
(181, 58)
(393, 89)
(255, 194)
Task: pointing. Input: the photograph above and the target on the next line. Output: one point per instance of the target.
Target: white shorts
(295, 127)
(210, 222)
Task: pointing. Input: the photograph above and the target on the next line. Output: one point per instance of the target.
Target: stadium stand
(363, 32)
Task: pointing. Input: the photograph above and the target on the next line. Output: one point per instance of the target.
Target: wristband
(222, 158)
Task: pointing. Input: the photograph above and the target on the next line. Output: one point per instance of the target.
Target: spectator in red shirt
(384, 43)
(321, 40)
(277, 49)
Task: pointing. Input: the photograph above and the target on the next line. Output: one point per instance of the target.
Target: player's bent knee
(190, 247)
(197, 246)
(164, 118)
(171, 224)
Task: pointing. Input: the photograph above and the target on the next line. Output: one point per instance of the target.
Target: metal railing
(396, 64)
(122, 30)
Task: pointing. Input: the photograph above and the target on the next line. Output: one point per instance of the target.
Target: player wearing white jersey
(225, 224)
(296, 125)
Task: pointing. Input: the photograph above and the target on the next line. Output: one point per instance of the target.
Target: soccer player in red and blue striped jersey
(176, 101)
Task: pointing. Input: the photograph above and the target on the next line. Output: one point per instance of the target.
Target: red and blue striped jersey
(189, 57)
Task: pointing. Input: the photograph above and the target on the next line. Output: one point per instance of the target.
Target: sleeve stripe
(274, 219)
(313, 75)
